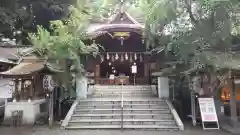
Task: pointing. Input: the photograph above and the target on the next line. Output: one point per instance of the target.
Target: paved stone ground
(43, 130)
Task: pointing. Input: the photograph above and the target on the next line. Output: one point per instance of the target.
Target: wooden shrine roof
(29, 66)
(121, 20)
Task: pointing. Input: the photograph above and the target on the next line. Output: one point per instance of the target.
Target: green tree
(64, 45)
(188, 28)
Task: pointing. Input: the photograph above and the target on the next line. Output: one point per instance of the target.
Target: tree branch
(188, 3)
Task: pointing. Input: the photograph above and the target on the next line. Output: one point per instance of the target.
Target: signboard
(208, 112)
(48, 82)
(6, 88)
(112, 76)
(134, 69)
(237, 81)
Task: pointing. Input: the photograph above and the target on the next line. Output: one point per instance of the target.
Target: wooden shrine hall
(123, 47)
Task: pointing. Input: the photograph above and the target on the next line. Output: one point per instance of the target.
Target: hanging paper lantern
(135, 56)
(126, 56)
(122, 58)
(108, 57)
(116, 56)
(141, 58)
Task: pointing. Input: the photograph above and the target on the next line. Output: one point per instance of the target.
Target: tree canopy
(189, 28)
(65, 41)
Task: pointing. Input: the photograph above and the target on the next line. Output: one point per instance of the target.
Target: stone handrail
(69, 114)
(175, 115)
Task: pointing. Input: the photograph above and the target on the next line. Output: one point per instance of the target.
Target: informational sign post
(208, 112)
(134, 71)
(48, 83)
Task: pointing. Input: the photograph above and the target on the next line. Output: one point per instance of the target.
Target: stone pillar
(81, 87)
(163, 87)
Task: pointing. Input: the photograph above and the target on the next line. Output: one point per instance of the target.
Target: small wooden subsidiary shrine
(28, 78)
(28, 93)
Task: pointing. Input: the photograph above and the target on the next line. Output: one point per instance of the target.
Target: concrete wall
(81, 87)
(30, 110)
(4, 85)
(163, 87)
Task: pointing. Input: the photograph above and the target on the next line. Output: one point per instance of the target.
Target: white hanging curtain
(126, 56)
(141, 58)
(135, 56)
(108, 57)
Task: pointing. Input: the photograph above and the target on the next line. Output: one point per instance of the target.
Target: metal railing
(122, 105)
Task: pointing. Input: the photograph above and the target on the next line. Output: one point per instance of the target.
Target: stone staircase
(141, 110)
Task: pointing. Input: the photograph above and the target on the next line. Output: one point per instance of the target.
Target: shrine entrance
(123, 46)
(117, 58)
(112, 72)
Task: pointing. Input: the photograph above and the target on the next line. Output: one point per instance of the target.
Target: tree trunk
(66, 77)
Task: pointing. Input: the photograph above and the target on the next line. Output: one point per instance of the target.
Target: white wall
(30, 110)
(163, 87)
(81, 87)
(4, 87)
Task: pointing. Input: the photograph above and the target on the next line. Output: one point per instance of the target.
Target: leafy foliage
(66, 40)
(193, 28)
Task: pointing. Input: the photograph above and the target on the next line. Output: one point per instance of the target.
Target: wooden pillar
(233, 104)
(146, 69)
(33, 88)
(97, 74)
(22, 95)
(16, 88)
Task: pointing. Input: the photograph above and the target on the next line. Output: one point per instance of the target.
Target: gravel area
(44, 130)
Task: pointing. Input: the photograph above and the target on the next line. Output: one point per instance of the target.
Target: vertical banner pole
(50, 109)
(134, 78)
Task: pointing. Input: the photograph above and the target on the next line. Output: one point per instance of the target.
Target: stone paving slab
(230, 129)
(44, 130)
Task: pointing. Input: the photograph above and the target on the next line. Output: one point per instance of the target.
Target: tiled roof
(28, 66)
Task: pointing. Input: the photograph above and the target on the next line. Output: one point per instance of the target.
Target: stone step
(71, 127)
(127, 103)
(124, 123)
(124, 109)
(125, 95)
(155, 127)
(134, 100)
(123, 89)
(125, 86)
(125, 99)
(130, 115)
(131, 110)
(124, 103)
(118, 121)
(118, 107)
(105, 106)
(124, 92)
(151, 127)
